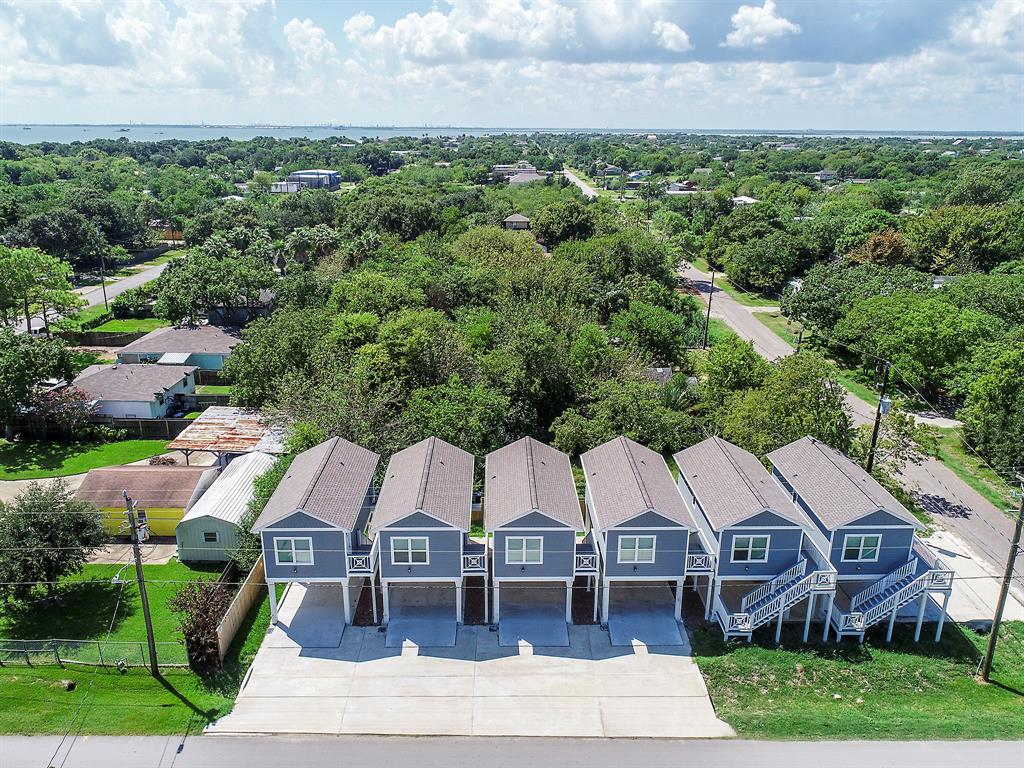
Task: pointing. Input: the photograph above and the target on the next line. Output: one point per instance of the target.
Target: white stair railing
(895, 601)
(880, 586)
(784, 578)
(791, 596)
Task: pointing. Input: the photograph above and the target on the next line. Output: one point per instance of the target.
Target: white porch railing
(790, 574)
(586, 562)
(880, 586)
(700, 562)
(941, 578)
(363, 562)
(476, 562)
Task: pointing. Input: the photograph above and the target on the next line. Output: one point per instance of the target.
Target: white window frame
(524, 561)
(408, 549)
(291, 546)
(624, 556)
(860, 547)
(216, 537)
(750, 547)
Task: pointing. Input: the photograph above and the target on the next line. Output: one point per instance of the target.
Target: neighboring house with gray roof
(765, 553)
(870, 537)
(643, 530)
(136, 391)
(313, 527)
(421, 523)
(205, 346)
(532, 517)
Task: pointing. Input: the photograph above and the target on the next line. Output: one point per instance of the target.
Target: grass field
(213, 389)
(30, 461)
(83, 358)
(132, 325)
(746, 298)
(901, 690)
(104, 701)
(952, 452)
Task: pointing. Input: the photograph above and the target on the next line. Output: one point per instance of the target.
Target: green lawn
(898, 691)
(80, 319)
(29, 461)
(132, 325)
(83, 358)
(746, 298)
(213, 389)
(952, 452)
(780, 325)
(34, 700)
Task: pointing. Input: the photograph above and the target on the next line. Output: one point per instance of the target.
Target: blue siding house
(767, 563)
(871, 538)
(313, 526)
(644, 532)
(421, 525)
(204, 346)
(532, 517)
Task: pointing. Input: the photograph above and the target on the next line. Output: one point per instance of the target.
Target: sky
(770, 64)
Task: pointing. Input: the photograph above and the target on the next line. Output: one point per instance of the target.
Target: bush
(202, 604)
(133, 303)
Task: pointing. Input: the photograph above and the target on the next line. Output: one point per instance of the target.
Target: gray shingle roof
(836, 489)
(329, 482)
(731, 485)
(528, 475)
(131, 382)
(431, 476)
(186, 338)
(151, 487)
(516, 218)
(627, 479)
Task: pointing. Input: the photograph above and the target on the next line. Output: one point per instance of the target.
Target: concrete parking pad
(533, 617)
(422, 617)
(643, 615)
(310, 616)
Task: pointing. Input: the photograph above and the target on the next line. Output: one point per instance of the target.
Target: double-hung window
(410, 550)
(750, 549)
(524, 550)
(861, 548)
(294, 551)
(636, 549)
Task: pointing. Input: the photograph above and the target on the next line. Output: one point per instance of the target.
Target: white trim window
(211, 537)
(750, 549)
(293, 551)
(637, 549)
(861, 548)
(524, 550)
(410, 550)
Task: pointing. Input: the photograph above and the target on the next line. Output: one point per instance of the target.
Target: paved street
(321, 752)
(587, 190)
(976, 521)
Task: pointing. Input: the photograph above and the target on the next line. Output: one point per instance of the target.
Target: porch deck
(586, 556)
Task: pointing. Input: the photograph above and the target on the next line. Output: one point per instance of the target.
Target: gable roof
(140, 383)
(527, 476)
(329, 481)
(516, 218)
(151, 487)
(627, 479)
(835, 488)
(187, 339)
(731, 485)
(229, 496)
(431, 476)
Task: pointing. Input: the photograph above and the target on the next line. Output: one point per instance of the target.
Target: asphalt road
(94, 296)
(961, 509)
(256, 752)
(587, 190)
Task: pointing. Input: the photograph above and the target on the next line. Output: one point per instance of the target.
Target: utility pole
(103, 270)
(707, 319)
(799, 339)
(986, 665)
(140, 576)
(878, 418)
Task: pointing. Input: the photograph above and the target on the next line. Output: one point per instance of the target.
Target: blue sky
(871, 64)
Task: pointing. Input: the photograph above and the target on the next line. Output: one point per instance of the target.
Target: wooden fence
(99, 338)
(246, 597)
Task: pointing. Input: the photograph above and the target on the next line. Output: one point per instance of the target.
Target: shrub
(133, 303)
(202, 604)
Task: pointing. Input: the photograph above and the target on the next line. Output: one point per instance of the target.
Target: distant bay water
(21, 133)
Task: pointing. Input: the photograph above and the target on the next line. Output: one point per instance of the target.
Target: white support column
(497, 601)
(778, 627)
(604, 601)
(385, 598)
(373, 596)
(597, 598)
(347, 600)
(810, 613)
(272, 590)
(679, 599)
(892, 623)
(568, 601)
(712, 598)
(828, 617)
(942, 618)
(920, 615)
(487, 602)
(458, 601)
(590, 586)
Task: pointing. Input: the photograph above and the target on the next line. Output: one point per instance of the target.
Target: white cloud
(671, 37)
(359, 25)
(756, 25)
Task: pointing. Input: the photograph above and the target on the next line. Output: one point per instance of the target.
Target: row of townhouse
(817, 539)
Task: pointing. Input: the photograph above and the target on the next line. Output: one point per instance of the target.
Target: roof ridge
(308, 492)
(425, 473)
(531, 474)
(636, 472)
(743, 475)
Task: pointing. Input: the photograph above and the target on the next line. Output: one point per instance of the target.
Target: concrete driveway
(643, 614)
(310, 617)
(534, 615)
(422, 616)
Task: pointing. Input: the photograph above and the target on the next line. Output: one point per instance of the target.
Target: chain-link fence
(111, 653)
